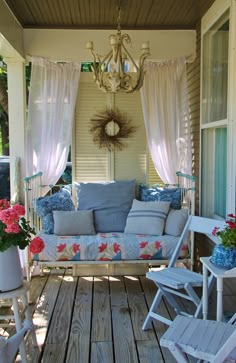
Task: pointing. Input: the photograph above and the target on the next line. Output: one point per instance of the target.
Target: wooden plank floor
(99, 319)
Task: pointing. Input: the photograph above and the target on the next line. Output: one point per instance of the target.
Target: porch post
(17, 117)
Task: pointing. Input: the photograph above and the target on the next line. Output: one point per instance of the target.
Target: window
(214, 118)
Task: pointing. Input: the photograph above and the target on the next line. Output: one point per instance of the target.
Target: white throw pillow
(147, 217)
(176, 221)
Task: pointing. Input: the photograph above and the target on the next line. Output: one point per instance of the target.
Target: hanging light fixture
(111, 72)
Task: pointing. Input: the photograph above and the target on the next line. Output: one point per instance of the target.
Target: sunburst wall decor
(109, 127)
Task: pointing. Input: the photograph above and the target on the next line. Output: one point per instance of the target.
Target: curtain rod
(189, 59)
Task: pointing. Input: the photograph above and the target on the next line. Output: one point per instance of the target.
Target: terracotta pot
(10, 270)
(224, 256)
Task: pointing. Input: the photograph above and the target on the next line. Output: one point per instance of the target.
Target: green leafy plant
(228, 234)
(14, 229)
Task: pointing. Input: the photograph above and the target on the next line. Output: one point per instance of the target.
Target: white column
(17, 117)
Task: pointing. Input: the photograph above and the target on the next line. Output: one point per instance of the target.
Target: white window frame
(211, 17)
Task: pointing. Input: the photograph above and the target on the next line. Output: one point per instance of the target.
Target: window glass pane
(214, 171)
(207, 173)
(220, 172)
(215, 71)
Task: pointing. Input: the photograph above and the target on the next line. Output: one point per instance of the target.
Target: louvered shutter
(90, 163)
(131, 162)
(154, 177)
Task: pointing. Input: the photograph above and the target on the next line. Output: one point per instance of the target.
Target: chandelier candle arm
(98, 69)
(145, 46)
(131, 58)
(113, 40)
(89, 45)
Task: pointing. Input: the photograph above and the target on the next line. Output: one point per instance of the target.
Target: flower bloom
(4, 204)
(215, 230)
(12, 228)
(19, 209)
(9, 216)
(15, 230)
(36, 245)
(227, 234)
(231, 224)
(231, 215)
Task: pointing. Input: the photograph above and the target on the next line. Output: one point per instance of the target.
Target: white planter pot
(10, 270)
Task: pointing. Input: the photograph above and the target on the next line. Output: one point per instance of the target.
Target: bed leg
(41, 269)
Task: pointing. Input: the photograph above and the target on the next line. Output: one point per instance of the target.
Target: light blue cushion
(73, 223)
(110, 202)
(44, 207)
(147, 217)
(155, 193)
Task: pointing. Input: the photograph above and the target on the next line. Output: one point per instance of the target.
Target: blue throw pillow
(154, 193)
(110, 202)
(172, 195)
(44, 207)
(149, 193)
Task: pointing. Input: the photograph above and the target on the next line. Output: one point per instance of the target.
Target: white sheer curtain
(166, 114)
(52, 97)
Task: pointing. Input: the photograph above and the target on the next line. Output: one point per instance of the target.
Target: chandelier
(112, 72)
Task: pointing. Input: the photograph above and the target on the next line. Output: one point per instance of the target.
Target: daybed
(114, 224)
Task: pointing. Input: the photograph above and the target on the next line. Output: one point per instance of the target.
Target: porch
(99, 319)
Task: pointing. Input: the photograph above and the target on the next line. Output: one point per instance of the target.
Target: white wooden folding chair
(206, 340)
(176, 281)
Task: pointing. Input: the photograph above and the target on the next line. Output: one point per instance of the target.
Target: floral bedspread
(107, 247)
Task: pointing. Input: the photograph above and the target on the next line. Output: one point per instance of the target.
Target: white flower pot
(10, 270)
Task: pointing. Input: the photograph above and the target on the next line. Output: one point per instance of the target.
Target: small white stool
(15, 295)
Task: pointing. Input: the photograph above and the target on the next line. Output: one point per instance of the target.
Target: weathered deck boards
(99, 319)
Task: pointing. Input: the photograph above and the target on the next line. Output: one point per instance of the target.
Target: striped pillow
(147, 217)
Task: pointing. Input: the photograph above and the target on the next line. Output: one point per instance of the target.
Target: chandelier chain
(118, 19)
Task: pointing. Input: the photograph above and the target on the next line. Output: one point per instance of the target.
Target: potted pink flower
(15, 232)
(224, 254)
